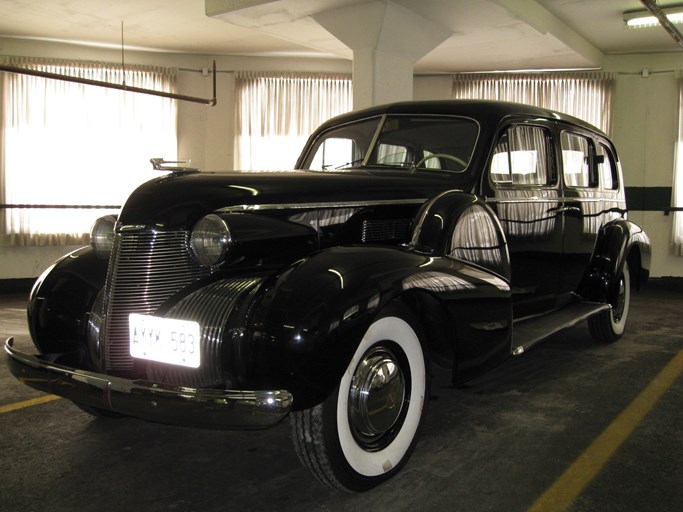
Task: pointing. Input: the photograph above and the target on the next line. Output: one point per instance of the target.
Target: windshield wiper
(347, 165)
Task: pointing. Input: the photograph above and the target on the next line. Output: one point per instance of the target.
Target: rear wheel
(365, 431)
(608, 326)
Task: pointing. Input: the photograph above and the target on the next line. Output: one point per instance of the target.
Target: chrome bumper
(176, 405)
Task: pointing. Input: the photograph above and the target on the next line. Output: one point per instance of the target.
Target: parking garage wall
(645, 129)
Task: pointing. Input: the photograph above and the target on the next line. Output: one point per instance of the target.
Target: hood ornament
(175, 166)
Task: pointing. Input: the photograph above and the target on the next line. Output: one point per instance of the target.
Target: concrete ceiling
(485, 34)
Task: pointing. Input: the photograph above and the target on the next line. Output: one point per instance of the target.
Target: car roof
(486, 111)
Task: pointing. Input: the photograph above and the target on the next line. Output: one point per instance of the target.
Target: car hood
(176, 201)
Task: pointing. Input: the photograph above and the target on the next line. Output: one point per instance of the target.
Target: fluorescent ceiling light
(643, 18)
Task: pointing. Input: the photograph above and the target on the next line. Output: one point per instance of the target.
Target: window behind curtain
(587, 96)
(71, 144)
(275, 114)
(576, 157)
(521, 157)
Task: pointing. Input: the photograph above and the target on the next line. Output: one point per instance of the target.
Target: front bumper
(176, 405)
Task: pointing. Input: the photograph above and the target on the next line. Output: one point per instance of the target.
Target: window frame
(311, 148)
(553, 175)
(593, 178)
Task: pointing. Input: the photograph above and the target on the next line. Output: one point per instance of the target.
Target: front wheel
(366, 429)
(608, 326)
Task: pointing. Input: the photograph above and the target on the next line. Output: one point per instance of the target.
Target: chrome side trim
(557, 199)
(176, 405)
(335, 204)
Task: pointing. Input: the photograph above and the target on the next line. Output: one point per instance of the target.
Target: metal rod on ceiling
(121, 87)
(666, 24)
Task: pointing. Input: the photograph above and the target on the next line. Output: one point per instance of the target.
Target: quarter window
(521, 157)
(576, 159)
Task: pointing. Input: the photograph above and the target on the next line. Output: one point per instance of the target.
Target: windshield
(404, 141)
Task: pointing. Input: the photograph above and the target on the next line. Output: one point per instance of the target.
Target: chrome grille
(147, 267)
(211, 307)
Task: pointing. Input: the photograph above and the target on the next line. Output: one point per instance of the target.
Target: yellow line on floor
(576, 478)
(28, 403)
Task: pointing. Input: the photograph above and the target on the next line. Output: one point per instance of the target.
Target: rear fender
(618, 241)
(309, 323)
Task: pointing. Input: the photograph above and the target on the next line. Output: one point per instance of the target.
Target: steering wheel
(455, 159)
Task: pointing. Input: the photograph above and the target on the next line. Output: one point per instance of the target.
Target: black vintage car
(455, 233)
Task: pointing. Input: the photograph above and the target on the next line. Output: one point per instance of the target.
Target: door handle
(565, 209)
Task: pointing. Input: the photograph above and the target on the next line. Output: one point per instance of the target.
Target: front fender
(618, 241)
(61, 299)
(462, 226)
(310, 321)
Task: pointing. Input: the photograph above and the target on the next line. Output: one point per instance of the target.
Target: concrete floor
(495, 445)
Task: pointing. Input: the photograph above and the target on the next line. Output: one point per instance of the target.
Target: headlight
(210, 240)
(102, 236)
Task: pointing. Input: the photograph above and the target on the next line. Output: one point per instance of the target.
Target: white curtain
(678, 179)
(65, 143)
(276, 113)
(587, 96)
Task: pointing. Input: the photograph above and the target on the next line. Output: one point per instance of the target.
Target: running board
(529, 332)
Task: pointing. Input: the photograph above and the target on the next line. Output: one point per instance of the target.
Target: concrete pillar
(387, 40)
(380, 77)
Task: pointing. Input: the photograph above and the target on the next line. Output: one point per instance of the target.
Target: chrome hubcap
(376, 397)
(618, 309)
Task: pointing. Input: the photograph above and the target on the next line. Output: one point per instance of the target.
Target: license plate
(165, 340)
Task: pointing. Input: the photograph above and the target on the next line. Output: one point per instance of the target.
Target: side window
(521, 157)
(576, 157)
(607, 170)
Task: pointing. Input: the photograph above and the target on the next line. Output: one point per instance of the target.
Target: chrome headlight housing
(210, 240)
(102, 236)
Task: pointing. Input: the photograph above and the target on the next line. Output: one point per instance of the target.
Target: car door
(591, 199)
(522, 187)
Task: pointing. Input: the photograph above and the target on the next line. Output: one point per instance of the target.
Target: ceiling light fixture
(662, 15)
(645, 18)
(642, 20)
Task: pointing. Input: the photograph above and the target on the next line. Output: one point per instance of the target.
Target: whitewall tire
(365, 431)
(609, 326)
